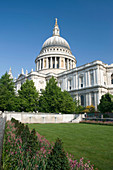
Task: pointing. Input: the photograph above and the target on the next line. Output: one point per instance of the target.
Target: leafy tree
(78, 107)
(106, 103)
(28, 97)
(67, 104)
(54, 100)
(50, 98)
(57, 158)
(7, 94)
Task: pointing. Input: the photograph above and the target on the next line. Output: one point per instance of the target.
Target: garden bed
(27, 150)
(97, 122)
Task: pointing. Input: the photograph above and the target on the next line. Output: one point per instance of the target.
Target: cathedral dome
(55, 55)
(56, 41)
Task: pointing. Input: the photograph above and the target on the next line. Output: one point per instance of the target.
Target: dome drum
(55, 63)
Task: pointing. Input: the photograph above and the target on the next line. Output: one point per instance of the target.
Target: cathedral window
(69, 84)
(92, 99)
(92, 78)
(105, 78)
(82, 100)
(112, 79)
(81, 81)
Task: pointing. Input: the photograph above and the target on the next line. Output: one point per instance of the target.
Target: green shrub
(57, 158)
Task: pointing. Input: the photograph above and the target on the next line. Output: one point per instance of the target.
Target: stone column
(85, 79)
(40, 64)
(70, 64)
(37, 66)
(47, 62)
(64, 63)
(89, 99)
(51, 63)
(43, 64)
(55, 63)
(74, 81)
(94, 77)
(59, 62)
(97, 76)
(101, 77)
(88, 78)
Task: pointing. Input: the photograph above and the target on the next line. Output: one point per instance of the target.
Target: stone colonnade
(55, 62)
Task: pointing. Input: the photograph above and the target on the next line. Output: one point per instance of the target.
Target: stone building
(86, 83)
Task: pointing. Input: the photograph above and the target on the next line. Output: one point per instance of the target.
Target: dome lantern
(56, 31)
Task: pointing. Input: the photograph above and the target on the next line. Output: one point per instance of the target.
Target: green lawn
(93, 142)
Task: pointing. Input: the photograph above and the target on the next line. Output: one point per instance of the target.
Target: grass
(93, 142)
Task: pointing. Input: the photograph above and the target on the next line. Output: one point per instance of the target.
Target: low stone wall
(25, 117)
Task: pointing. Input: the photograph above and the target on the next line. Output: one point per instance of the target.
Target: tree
(67, 104)
(28, 97)
(57, 158)
(106, 103)
(54, 100)
(78, 107)
(7, 93)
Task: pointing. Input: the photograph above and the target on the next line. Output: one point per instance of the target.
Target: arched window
(112, 79)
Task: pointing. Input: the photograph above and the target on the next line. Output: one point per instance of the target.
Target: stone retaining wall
(25, 117)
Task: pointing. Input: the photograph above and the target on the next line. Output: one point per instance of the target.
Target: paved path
(2, 127)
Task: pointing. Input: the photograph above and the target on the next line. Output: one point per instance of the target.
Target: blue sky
(87, 25)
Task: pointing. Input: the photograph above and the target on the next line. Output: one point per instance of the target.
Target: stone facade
(86, 83)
